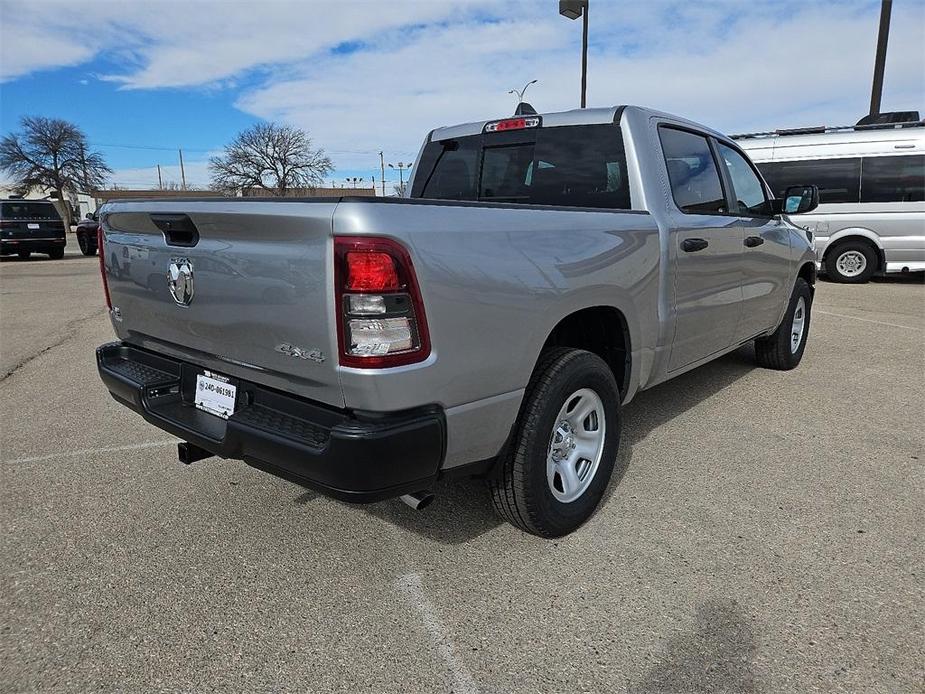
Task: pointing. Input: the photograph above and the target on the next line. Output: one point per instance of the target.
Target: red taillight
(102, 254)
(380, 314)
(371, 271)
(512, 124)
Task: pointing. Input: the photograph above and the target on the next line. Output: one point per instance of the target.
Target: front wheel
(24, 255)
(783, 349)
(86, 246)
(552, 476)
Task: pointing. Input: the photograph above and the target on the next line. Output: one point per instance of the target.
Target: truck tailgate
(254, 298)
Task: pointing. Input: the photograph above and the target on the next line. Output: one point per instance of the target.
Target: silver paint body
(495, 281)
(896, 228)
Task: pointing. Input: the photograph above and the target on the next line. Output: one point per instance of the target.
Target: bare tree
(51, 153)
(271, 158)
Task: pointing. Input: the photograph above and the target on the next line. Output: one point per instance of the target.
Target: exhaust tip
(418, 500)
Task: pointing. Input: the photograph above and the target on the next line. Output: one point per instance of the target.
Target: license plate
(34, 226)
(215, 394)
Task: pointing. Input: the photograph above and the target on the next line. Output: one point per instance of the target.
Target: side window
(695, 183)
(454, 173)
(749, 191)
(839, 180)
(893, 179)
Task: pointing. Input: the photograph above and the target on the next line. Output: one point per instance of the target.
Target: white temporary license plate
(215, 394)
(33, 226)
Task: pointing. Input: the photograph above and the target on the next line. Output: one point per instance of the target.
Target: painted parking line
(413, 591)
(91, 451)
(866, 320)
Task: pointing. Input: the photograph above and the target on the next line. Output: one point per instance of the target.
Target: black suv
(31, 226)
(86, 233)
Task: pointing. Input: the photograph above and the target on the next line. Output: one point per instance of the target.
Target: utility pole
(876, 91)
(382, 168)
(182, 171)
(160, 183)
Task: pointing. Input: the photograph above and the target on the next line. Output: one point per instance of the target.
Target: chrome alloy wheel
(576, 445)
(798, 326)
(851, 263)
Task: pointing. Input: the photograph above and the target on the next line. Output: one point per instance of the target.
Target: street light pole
(876, 91)
(401, 166)
(573, 9)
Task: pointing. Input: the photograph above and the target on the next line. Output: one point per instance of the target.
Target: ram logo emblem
(180, 281)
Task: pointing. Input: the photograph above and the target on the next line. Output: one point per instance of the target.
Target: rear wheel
(56, 253)
(783, 349)
(24, 255)
(851, 262)
(554, 473)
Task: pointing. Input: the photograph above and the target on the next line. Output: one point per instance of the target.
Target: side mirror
(799, 199)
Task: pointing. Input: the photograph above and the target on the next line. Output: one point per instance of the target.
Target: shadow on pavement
(716, 656)
(462, 509)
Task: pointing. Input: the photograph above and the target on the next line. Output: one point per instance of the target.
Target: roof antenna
(523, 108)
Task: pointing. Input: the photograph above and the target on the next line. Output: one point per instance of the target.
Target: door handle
(752, 241)
(694, 245)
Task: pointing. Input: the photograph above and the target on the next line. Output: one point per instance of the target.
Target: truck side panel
(495, 282)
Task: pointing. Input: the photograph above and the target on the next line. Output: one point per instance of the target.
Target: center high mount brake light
(519, 123)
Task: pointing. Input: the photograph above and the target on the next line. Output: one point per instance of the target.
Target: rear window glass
(839, 180)
(692, 172)
(893, 179)
(28, 210)
(575, 166)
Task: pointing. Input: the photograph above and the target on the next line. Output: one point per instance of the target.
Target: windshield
(574, 166)
(28, 210)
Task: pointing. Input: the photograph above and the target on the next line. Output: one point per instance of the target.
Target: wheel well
(808, 273)
(601, 330)
(881, 259)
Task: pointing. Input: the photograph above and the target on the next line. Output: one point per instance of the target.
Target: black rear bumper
(9, 246)
(353, 456)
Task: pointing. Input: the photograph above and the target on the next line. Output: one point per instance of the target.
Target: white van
(871, 179)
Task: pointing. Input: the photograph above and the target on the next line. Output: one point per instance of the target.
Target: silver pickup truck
(544, 269)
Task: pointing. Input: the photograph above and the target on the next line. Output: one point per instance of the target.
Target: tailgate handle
(178, 229)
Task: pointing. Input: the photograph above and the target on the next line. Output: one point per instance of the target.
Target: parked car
(31, 226)
(871, 180)
(544, 270)
(86, 233)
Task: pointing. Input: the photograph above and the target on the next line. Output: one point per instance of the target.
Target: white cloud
(412, 66)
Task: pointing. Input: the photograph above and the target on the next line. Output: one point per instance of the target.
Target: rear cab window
(692, 172)
(569, 166)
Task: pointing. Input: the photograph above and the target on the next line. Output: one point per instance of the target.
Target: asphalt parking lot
(764, 533)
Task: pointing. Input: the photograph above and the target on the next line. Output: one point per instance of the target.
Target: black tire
(871, 262)
(56, 253)
(86, 246)
(776, 350)
(24, 255)
(520, 490)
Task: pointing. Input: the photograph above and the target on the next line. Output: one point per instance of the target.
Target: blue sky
(365, 76)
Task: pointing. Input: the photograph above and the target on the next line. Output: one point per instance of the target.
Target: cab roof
(578, 116)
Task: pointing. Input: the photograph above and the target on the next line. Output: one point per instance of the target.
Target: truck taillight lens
(102, 254)
(380, 313)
